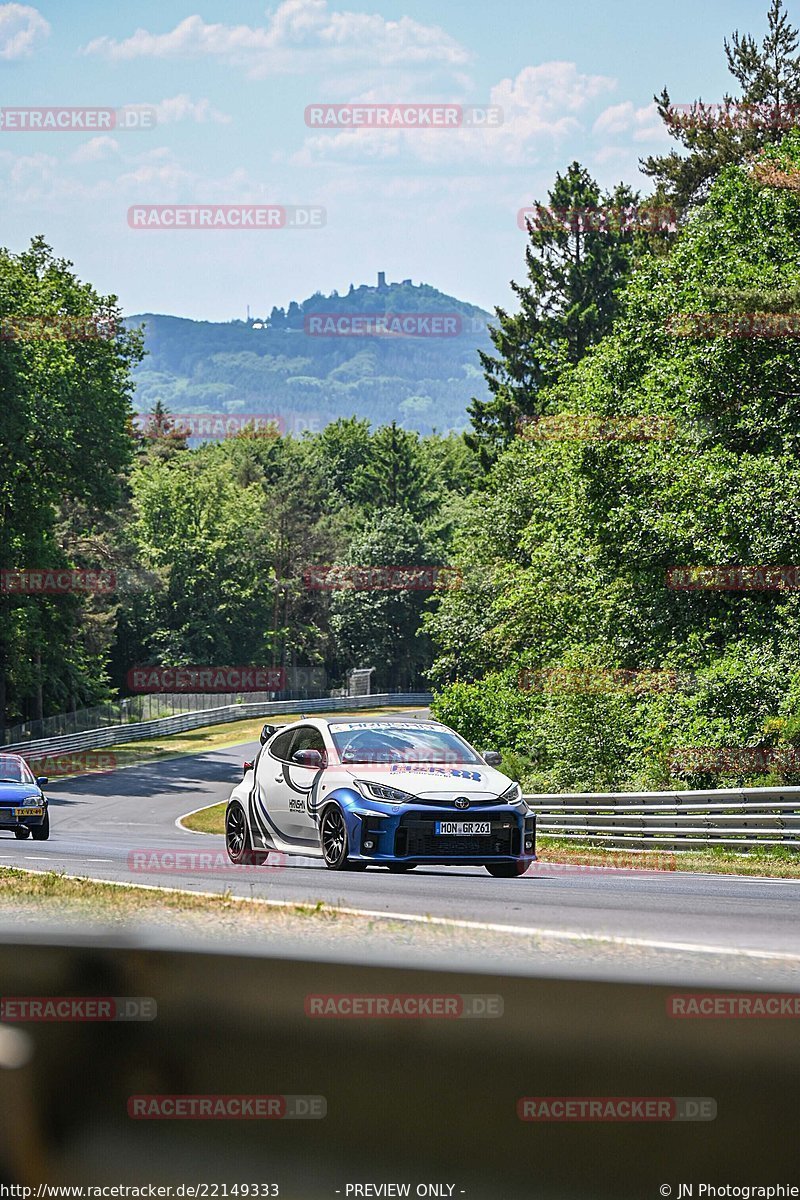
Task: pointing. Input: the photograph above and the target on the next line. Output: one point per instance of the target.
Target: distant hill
(300, 366)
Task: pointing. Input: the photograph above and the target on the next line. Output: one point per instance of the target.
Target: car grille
(439, 803)
(416, 837)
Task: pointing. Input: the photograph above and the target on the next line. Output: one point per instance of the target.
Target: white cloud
(152, 176)
(183, 108)
(20, 28)
(540, 107)
(299, 35)
(640, 124)
(550, 89)
(96, 150)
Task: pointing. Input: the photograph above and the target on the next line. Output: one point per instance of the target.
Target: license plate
(463, 828)
(28, 812)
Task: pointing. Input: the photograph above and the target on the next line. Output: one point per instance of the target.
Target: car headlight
(380, 791)
(512, 795)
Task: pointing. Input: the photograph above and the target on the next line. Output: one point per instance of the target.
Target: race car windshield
(13, 770)
(402, 745)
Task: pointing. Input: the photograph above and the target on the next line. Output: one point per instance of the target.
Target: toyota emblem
(461, 802)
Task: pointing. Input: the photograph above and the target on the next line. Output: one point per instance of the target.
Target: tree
(769, 78)
(161, 436)
(208, 536)
(65, 435)
(395, 474)
(341, 451)
(566, 566)
(579, 253)
(379, 626)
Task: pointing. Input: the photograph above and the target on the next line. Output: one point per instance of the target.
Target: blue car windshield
(399, 743)
(14, 770)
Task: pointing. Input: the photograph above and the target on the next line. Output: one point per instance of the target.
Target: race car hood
(440, 782)
(17, 793)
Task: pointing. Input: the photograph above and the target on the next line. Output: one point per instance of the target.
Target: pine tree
(162, 437)
(580, 249)
(769, 78)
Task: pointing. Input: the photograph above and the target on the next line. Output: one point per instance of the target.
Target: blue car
(23, 804)
(395, 793)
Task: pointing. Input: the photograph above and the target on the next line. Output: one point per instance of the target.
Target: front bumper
(22, 816)
(410, 836)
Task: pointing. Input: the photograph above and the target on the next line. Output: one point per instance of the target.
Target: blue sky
(230, 82)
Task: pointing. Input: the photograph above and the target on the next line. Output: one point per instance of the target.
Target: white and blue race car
(395, 792)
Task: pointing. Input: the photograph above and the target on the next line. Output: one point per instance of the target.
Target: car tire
(506, 870)
(22, 833)
(41, 833)
(237, 839)
(333, 841)
(400, 868)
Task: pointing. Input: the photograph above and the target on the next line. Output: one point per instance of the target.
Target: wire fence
(155, 707)
(141, 708)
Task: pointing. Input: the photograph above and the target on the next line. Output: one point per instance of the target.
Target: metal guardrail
(731, 818)
(114, 735)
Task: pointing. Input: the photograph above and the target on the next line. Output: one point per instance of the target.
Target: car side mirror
(266, 733)
(492, 758)
(308, 758)
(41, 780)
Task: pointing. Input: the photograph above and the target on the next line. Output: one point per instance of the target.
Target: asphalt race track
(100, 821)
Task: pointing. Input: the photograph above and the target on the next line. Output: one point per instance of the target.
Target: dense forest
(640, 412)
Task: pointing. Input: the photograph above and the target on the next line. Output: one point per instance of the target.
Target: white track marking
(561, 935)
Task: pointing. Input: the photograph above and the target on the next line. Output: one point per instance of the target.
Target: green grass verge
(207, 820)
(775, 861)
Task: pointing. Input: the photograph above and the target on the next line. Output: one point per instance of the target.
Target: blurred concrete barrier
(442, 1098)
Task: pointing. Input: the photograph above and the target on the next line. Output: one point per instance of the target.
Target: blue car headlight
(512, 795)
(381, 791)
